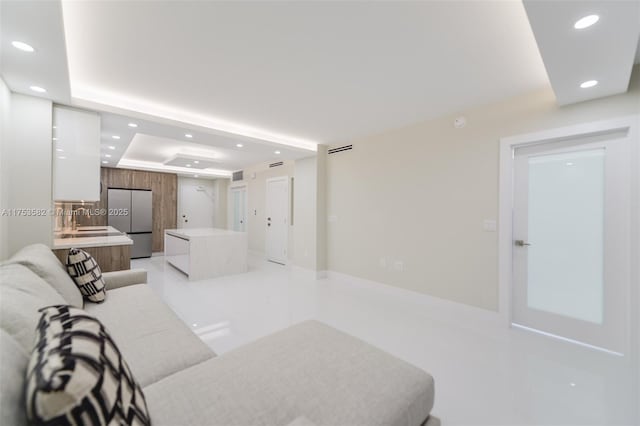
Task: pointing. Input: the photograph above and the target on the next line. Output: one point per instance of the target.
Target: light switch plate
(489, 225)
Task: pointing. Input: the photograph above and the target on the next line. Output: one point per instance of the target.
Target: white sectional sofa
(308, 374)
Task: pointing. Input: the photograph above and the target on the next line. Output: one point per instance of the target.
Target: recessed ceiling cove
(299, 73)
(193, 162)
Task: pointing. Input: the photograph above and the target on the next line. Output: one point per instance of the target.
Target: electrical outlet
(399, 265)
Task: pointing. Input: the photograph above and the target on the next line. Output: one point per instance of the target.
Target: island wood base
(109, 258)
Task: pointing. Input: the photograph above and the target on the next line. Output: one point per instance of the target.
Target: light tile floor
(483, 377)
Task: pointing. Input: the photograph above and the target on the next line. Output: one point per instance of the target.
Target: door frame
(627, 127)
(230, 204)
(285, 178)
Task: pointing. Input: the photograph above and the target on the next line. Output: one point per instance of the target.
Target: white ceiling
(38, 24)
(283, 75)
(319, 71)
(153, 146)
(605, 51)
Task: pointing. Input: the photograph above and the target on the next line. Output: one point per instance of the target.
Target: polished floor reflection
(484, 375)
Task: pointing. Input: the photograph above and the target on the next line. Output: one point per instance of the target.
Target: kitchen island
(110, 247)
(206, 252)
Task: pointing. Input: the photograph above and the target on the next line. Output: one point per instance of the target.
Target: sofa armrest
(116, 279)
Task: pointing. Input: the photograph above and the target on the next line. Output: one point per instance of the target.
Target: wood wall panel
(164, 188)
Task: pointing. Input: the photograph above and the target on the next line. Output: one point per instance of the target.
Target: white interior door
(571, 252)
(277, 219)
(239, 209)
(196, 204)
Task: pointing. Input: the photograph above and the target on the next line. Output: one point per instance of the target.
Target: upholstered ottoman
(307, 374)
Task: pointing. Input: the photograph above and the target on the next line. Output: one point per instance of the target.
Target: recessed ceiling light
(586, 22)
(132, 125)
(196, 162)
(188, 165)
(55, 127)
(112, 147)
(59, 149)
(108, 155)
(239, 145)
(105, 162)
(188, 135)
(62, 158)
(22, 46)
(589, 83)
(115, 137)
(195, 176)
(54, 139)
(277, 152)
(38, 89)
(569, 163)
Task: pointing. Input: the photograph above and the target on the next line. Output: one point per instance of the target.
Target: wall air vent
(340, 149)
(279, 163)
(236, 176)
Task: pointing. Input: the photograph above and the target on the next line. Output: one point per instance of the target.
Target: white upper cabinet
(76, 155)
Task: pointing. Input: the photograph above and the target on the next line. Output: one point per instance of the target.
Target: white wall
(419, 195)
(5, 108)
(306, 247)
(304, 213)
(309, 206)
(220, 216)
(200, 206)
(256, 202)
(27, 171)
(213, 200)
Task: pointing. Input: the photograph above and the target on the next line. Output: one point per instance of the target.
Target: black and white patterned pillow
(77, 376)
(86, 273)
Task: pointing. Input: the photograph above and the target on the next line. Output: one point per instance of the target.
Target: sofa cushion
(41, 260)
(309, 370)
(155, 342)
(77, 375)
(13, 368)
(86, 273)
(22, 293)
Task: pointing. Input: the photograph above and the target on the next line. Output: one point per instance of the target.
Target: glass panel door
(571, 241)
(566, 231)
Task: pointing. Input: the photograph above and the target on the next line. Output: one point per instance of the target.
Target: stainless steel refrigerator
(131, 211)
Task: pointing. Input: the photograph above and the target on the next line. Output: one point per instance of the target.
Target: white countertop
(87, 238)
(188, 233)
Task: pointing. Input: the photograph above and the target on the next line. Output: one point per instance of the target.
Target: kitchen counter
(90, 236)
(206, 252)
(108, 246)
(189, 233)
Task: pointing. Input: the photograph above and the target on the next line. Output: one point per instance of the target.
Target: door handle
(521, 243)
